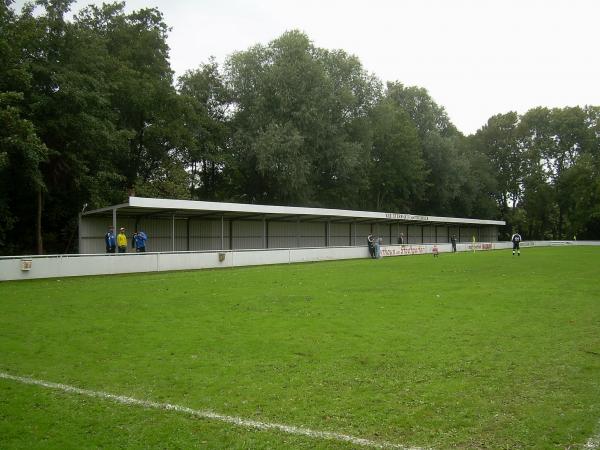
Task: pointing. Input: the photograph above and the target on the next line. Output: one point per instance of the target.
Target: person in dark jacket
(453, 240)
(139, 241)
(110, 240)
(516, 240)
(371, 244)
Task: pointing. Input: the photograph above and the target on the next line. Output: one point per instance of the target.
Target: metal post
(173, 232)
(264, 231)
(115, 220)
(222, 231)
(188, 234)
(79, 234)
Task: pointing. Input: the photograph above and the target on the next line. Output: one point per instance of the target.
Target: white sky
(476, 58)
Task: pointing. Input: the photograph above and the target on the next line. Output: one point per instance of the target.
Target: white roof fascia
(194, 205)
(108, 208)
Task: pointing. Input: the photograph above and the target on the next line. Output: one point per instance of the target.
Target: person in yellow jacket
(122, 241)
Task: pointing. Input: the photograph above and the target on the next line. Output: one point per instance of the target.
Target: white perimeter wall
(78, 265)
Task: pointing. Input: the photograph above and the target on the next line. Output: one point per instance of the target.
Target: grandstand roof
(158, 207)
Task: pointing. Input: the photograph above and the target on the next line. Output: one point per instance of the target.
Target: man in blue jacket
(110, 240)
(139, 241)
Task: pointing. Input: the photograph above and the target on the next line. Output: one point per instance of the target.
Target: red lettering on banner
(404, 250)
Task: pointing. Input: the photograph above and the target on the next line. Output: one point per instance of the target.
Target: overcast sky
(476, 58)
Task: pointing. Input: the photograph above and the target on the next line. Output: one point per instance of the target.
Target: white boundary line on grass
(206, 414)
(593, 443)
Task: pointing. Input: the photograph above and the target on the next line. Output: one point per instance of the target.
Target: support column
(173, 232)
(187, 245)
(222, 232)
(115, 220)
(265, 243)
(79, 233)
(350, 234)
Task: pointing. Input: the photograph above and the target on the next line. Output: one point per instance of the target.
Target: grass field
(466, 350)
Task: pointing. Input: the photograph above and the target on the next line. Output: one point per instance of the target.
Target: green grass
(479, 350)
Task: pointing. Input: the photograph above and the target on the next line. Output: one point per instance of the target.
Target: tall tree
(570, 136)
(397, 168)
(539, 199)
(206, 115)
(21, 150)
(499, 141)
(312, 106)
(98, 94)
(139, 80)
(442, 147)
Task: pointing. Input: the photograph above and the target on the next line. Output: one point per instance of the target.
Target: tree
(98, 94)
(459, 179)
(206, 115)
(559, 183)
(539, 199)
(500, 142)
(21, 180)
(21, 151)
(139, 81)
(320, 101)
(397, 169)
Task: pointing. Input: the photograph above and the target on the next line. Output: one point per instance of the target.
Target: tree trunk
(38, 223)
(560, 223)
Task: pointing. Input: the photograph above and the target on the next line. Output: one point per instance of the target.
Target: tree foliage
(90, 113)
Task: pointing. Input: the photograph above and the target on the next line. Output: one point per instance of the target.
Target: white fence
(53, 266)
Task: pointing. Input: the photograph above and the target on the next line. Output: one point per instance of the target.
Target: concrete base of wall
(56, 266)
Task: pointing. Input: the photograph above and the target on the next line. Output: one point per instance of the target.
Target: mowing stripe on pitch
(206, 414)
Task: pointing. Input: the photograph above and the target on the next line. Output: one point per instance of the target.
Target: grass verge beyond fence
(468, 350)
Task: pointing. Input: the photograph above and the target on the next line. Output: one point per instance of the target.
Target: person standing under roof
(139, 241)
(110, 241)
(122, 241)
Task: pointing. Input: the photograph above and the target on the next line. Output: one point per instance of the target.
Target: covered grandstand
(185, 225)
